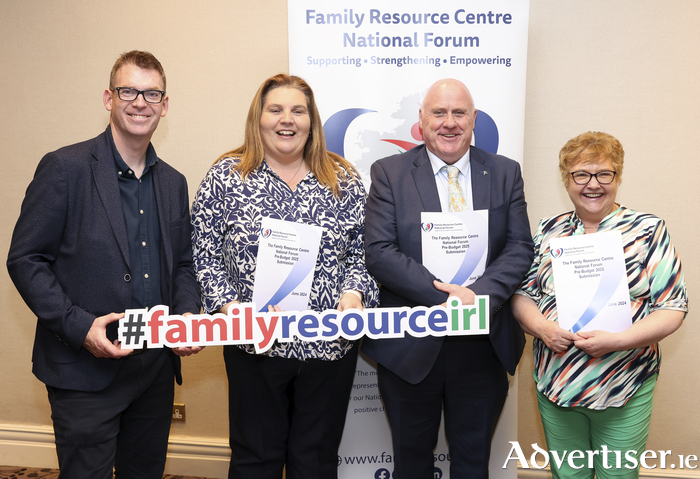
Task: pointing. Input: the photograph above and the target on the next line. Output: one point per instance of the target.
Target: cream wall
(630, 68)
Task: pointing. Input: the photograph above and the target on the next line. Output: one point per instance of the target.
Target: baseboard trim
(33, 446)
(196, 456)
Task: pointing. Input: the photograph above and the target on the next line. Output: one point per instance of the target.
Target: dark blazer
(402, 187)
(69, 258)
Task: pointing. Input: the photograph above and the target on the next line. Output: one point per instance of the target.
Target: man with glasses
(104, 227)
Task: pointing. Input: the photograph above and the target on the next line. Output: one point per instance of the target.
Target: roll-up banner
(369, 64)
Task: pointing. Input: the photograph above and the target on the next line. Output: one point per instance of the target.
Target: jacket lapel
(162, 205)
(425, 182)
(105, 175)
(481, 181)
(481, 187)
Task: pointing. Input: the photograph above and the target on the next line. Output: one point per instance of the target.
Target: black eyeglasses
(131, 94)
(604, 177)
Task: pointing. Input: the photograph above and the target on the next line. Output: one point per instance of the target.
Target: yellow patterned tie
(457, 201)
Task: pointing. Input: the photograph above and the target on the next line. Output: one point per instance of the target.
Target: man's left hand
(465, 294)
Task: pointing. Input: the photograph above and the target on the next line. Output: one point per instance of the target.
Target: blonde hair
(327, 166)
(592, 146)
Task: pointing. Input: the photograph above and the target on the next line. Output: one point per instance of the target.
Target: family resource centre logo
(336, 127)
(385, 131)
(427, 227)
(556, 253)
(155, 328)
(610, 459)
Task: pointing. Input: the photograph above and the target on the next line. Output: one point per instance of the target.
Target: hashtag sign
(131, 330)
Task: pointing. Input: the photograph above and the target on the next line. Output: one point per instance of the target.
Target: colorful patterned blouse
(226, 220)
(572, 378)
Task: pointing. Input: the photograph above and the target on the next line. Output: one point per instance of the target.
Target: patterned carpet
(8, 472)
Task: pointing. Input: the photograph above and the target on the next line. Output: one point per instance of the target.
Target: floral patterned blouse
(573, 378)
(226, 221)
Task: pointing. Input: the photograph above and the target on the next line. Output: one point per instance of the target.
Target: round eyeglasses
(131, 94)
(604, 177)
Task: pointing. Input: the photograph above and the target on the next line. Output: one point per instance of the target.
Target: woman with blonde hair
(595, 388)
(287, 406)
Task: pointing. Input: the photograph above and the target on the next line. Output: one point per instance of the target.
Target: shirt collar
(577, 224)
(437, 163)
(264, 166)
(122, 167)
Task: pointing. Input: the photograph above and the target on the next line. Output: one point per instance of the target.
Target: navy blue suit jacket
(403, 186)
(69, 258)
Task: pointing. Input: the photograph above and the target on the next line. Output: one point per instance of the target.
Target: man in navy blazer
(466, 376)
(105, 227)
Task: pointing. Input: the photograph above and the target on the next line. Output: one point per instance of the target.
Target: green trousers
(606, 442)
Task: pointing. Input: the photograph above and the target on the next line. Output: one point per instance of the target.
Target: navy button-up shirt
(138, 197)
